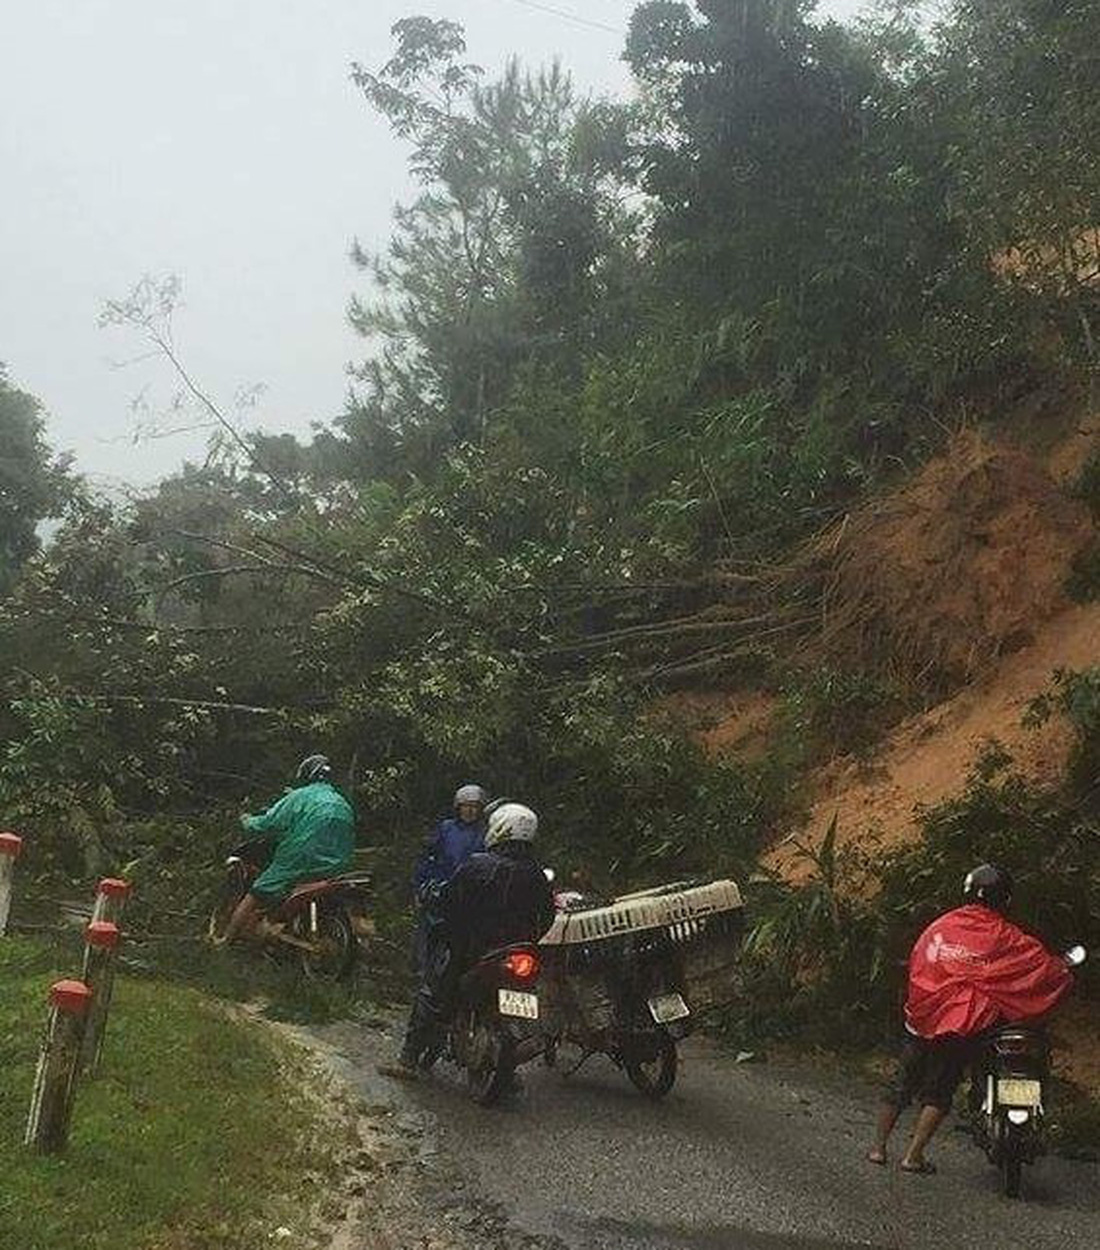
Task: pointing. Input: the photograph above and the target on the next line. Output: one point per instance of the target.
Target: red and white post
(55, 1082)
(110, 900)
(10, 846)
(101, 939)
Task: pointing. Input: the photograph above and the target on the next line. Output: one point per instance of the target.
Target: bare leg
(244, 918)
(928, 1121)
(887, 1118)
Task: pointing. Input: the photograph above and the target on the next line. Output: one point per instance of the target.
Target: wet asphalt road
(738, 1157)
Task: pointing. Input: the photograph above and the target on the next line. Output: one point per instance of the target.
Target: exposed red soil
(958, 568)
(975, 554)
(928, 758)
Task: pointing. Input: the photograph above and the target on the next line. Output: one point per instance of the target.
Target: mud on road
(739, 1157)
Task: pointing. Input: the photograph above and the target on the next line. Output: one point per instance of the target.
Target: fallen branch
(151, 627)
(214, 705)
(672, 629)
(241, 570)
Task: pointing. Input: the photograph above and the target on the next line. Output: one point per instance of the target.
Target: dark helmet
(990, 885)
(313, 768)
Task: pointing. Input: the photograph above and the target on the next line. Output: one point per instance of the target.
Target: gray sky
(220, 140)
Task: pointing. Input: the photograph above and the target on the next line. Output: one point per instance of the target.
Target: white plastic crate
(680, 909)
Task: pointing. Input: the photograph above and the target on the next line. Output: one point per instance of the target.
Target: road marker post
(110, 900)
(55, 1081)
(101, 939)
(10, 846)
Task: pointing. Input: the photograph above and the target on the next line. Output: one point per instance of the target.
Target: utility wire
(567, 16)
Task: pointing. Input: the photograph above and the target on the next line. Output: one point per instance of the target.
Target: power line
(567, 16)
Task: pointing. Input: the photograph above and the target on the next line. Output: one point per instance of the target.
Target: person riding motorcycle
(969, 971)
(447, 848)
(313, 830)
(500, 896)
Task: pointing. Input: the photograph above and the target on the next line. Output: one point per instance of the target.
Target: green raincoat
(314, 834)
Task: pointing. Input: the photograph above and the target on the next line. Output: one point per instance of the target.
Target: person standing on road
(970, 970)
(445, 850)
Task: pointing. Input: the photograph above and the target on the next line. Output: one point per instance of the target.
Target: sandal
(924, 1168)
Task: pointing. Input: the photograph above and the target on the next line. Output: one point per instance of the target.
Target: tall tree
(499, 260)
(30, 478)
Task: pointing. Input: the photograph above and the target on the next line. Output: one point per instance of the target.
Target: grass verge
(195, 1136)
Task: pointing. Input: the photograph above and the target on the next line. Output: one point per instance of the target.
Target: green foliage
(825, 711)
(31, 482)
(621, 356)
(498, 261)
(814, 960)
(1088, 485)
(1083, 584)
(1076, 695)
(181, 1084)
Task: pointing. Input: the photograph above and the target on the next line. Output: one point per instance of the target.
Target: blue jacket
(445, 851)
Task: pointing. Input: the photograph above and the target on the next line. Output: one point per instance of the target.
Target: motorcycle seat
(308, 890)
(500, 952)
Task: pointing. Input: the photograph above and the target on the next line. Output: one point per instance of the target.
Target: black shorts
(930, 1071)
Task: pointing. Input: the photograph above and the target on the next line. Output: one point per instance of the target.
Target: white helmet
(512, 822)
(470, 794)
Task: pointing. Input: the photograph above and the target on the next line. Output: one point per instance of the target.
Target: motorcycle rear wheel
(335, 938)
(1011, 1175)
(490, 1076)
(656, 1076)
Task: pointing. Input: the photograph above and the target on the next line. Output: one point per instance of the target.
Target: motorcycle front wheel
(334, 945)
(652, 1066)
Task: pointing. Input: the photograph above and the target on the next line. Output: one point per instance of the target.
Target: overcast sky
(220, 140)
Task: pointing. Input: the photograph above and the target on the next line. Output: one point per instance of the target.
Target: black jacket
(498, 897)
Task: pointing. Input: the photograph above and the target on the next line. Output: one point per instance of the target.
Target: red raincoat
(972, 969)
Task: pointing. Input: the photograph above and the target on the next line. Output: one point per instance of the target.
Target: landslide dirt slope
(957, 579)
(929, 757)
(975, 554)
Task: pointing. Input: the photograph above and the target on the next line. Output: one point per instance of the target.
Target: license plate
(668, 1007)
(1014, 1092)
(515, 1003)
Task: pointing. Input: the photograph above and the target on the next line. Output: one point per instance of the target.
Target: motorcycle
(493, 1021)
(648, 1017)
(318, 925)
(631, 977)
(1012, 1079)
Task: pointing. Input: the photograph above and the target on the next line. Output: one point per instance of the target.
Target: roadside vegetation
(825, 959)
(194, 1135)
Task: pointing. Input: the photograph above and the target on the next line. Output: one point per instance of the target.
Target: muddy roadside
(392, 1187)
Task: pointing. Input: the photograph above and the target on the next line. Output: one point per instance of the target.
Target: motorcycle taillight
(523, 965)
